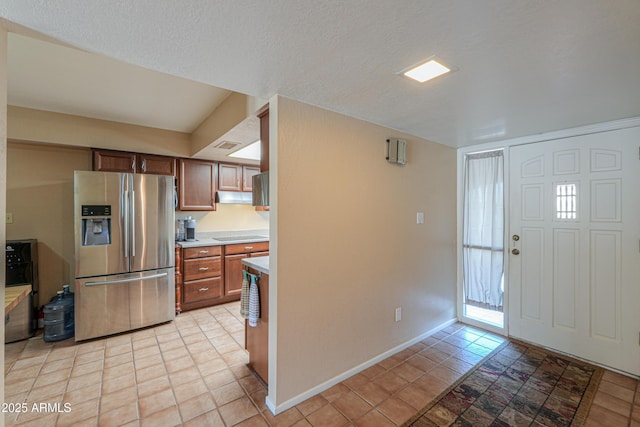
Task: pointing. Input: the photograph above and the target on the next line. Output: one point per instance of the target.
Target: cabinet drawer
(198, 290)
(200, 268)
(201, 252)
(246, 248)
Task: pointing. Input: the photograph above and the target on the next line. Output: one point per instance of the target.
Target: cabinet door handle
(203, 268)
(248, 247)
(144, 165)
(203, 289)
(204, 252)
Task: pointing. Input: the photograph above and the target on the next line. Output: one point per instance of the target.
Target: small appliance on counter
(190, 226)
(180, 230)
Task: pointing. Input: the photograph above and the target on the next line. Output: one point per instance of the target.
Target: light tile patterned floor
(193, 372)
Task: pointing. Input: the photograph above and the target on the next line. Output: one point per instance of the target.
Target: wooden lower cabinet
(202, 273)
(203, 289)
(233, 274)
(234, 254)
(201, 268)
(211, 275)
(257, 338)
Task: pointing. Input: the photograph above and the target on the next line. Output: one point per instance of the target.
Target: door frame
(506, 145)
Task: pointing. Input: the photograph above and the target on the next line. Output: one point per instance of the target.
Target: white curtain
(483, 233)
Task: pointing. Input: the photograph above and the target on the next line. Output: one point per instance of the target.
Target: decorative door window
(566, 201)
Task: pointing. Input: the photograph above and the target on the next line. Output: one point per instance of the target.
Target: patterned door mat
(516, 385)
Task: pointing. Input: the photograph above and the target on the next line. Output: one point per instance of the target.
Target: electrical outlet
(420, 218)
(398, 314)
(9, 218)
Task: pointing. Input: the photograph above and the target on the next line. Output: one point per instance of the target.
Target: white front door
(574, 282)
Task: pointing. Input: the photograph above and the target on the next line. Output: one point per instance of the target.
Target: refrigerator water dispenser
(96, 229)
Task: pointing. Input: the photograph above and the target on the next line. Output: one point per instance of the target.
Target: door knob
(515, 252)
(515, 237)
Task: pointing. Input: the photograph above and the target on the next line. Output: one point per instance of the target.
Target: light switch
(9, 218)
(420, 218)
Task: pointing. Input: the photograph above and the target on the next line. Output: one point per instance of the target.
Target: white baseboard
(277, 409)
(271, 406)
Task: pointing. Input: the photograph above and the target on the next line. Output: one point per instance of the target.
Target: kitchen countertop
(260, 263)
(225, 240)
(13, 295)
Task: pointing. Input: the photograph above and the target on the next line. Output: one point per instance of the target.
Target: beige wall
(40, 197)
(229, 218)
(26, 124)
(348, 250)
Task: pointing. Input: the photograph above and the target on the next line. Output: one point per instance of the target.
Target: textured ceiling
(523, 67)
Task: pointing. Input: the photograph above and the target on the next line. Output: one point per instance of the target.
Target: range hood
(233, 197)
(261, 189)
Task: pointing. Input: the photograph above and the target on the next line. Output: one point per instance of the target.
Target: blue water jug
(59, 321)
(67, 294)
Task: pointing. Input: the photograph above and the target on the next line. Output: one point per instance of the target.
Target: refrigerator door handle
(124, 280)
(132, 217)
(125, 220)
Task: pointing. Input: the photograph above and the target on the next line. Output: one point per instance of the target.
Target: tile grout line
(135, 373)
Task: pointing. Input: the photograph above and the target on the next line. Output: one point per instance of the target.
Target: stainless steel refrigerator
(124, 252)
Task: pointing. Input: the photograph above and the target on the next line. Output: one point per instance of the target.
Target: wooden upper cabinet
(159, 165)
(124, 161)
(229, 177)
(198, 180)
(114, 161)
(247, 176)
(234, 177)
(263, 115)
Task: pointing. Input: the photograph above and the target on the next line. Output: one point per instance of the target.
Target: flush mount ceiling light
(427, 70)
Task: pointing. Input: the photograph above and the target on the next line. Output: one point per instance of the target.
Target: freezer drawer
(111, 304)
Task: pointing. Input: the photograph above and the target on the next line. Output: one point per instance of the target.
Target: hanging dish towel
(244, 295)
(254, 301)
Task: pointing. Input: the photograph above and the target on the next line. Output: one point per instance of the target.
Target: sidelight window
(483, 237)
